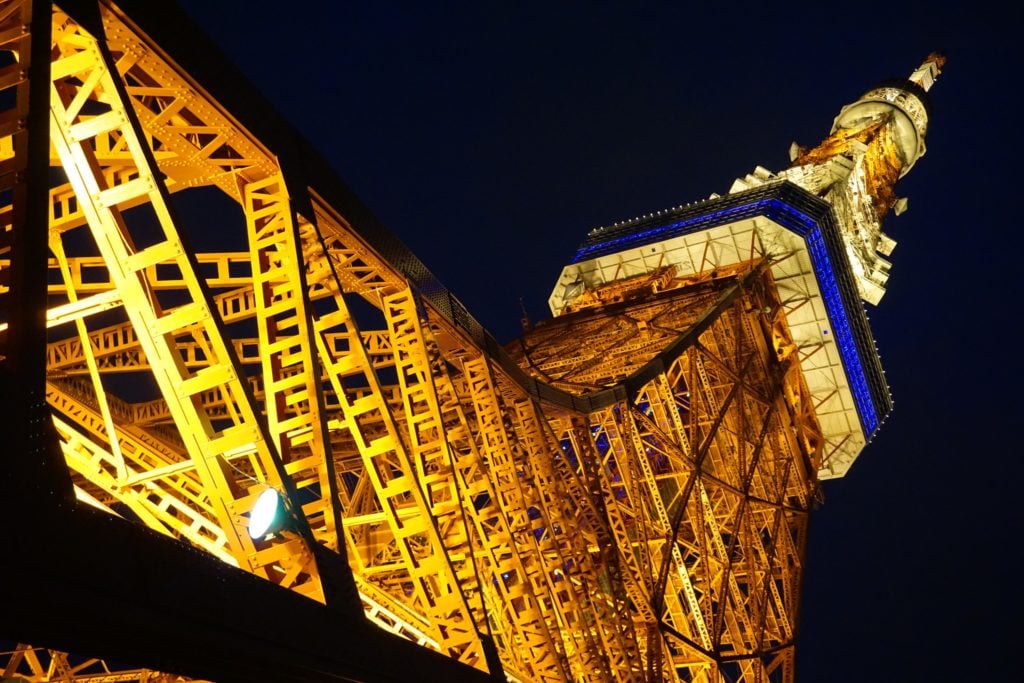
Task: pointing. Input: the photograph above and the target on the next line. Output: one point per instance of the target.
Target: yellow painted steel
(42, 665)
(81, 75)
(293, 397)
(656, 536)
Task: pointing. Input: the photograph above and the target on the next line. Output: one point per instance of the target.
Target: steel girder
(606, 519)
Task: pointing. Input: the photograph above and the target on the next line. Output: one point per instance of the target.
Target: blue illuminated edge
(803, 226)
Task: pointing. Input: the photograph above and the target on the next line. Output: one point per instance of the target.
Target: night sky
(491, 137)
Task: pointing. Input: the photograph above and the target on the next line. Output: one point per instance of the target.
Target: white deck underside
(798, 290)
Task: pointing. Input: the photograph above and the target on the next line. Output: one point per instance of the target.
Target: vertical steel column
(35, 475)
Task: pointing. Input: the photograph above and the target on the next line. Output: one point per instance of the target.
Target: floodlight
(267, 514)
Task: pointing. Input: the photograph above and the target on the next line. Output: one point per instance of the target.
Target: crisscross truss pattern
(41, 665)
(704, 477)
(622, 495)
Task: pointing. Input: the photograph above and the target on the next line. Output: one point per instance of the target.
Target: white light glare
(264, 513)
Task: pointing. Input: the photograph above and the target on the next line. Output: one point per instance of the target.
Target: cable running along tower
(300, 458)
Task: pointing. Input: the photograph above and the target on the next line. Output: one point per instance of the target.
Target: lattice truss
(39, 665)
(653, 531)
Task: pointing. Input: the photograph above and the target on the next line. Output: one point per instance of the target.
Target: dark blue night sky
(492, 136)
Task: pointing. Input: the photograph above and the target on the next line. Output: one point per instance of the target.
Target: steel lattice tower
(622, 494)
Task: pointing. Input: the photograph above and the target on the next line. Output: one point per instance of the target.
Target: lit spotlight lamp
(268, 514)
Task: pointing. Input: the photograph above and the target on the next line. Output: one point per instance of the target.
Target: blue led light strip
(805, 227)
(841, 331)
(682, 227)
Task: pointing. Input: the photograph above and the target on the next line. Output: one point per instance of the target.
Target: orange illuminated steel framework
(620, 495)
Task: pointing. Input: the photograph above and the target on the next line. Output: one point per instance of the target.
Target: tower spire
(873, 143)
(929, 70)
